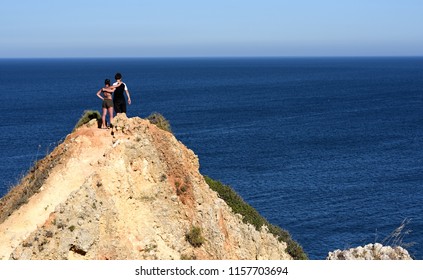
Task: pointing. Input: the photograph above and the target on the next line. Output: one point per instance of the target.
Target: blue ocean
(330, 149)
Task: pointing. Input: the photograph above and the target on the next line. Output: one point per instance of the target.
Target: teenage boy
(119, 103)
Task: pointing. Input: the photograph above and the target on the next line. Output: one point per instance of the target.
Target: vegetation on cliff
(194, 237)
(251, 216)
(160, 121)
(86, 117)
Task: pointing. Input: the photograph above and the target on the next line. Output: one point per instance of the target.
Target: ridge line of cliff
(134, 192)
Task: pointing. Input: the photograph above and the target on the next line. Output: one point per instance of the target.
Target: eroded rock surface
(133, 192)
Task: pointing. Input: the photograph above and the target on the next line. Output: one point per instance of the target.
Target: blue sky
(145, 28)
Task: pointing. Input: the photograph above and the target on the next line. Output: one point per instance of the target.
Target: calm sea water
(330, 149)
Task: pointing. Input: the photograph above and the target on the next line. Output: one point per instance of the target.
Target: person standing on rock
(107, 102)
(118, 97)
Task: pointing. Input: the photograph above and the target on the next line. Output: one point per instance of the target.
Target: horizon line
(215, 57)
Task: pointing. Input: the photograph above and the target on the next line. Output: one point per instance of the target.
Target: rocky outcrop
(371, 252)
(134, 192)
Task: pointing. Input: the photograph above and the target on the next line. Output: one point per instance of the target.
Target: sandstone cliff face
(131, 193)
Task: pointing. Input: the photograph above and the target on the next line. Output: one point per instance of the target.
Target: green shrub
(194, 237)
(86, 117)
(160, 121)
(251, 216)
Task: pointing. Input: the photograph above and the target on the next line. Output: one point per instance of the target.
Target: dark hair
(107, 82)
(118, 76)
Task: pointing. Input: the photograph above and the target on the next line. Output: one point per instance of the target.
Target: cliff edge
(134, 192)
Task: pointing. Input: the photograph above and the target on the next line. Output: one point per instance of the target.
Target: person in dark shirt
(120, 87)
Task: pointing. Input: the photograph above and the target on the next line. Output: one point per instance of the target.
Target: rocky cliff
(134, 192)
(374, 251)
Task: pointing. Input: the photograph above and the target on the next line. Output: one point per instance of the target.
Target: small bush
(160, 121)
(194, 237)
(251, 216)
(86, 117)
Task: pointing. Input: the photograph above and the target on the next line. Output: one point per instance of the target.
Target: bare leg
(110, 115)
(103, 118)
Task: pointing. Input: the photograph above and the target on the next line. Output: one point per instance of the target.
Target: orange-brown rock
(133, 192)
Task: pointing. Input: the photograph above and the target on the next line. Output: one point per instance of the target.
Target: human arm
(108, 89)
(129, 97)
(99, 94)
(115, 85)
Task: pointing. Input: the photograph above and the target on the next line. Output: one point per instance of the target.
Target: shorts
(107, 103)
